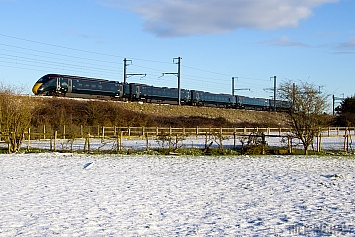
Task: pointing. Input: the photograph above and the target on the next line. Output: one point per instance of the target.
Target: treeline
(346, 113)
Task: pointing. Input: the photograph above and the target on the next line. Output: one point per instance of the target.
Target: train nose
(36, 87)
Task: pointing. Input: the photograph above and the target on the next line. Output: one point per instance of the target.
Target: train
(93, 88)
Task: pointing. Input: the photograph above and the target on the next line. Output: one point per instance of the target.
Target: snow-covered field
(58, 194)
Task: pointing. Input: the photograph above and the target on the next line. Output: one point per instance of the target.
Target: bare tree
(307, 107)
(15, 116)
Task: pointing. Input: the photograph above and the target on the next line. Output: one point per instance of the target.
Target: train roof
(80, 78)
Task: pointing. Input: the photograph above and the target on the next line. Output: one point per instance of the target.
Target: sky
(251, 40)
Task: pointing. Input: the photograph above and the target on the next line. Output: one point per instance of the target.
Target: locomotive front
(44, 85)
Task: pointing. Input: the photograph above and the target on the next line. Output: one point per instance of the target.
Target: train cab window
(45, 79)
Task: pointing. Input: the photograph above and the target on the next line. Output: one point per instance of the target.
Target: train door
(138, 92)
(121, 90)
(58, 84)
(70, 86)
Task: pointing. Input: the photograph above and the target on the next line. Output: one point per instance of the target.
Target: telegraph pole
(125, 69)
(274, 93)
(233, 85)
(178, 74)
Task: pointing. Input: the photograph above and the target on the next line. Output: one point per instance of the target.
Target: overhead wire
(62, 60)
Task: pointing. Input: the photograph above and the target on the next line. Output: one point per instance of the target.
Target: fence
(117, 134)
(101, 132)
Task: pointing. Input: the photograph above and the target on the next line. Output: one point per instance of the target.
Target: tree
(15, 116)
(346, 112)
(307, 107)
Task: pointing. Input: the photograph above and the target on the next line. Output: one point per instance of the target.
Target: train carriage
(163, 94)
(252, 103)
(73, 86)
(203, 98)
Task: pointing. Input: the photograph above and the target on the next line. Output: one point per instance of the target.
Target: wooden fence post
(50, 143)
(29, 139)
(206, 141)
(85, 144)
(55, 141)
(88, 142)
(263, 141)
(318, 142)
(121, 141)
(345, 139)
(146, 142)
(289, 143)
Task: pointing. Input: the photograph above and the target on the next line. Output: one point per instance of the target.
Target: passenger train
(82, 87)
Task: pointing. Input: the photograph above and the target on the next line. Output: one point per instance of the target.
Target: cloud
(72, 33)
(285, 41)
(350, 44)
(346, 47)
(172, 18)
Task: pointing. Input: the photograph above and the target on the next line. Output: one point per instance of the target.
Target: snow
(64, 194)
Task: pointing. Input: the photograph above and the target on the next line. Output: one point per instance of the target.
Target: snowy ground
(112, 195)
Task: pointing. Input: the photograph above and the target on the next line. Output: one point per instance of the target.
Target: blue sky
(252, 40)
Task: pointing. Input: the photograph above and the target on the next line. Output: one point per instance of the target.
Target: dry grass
(241, 117)
(58, 111)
